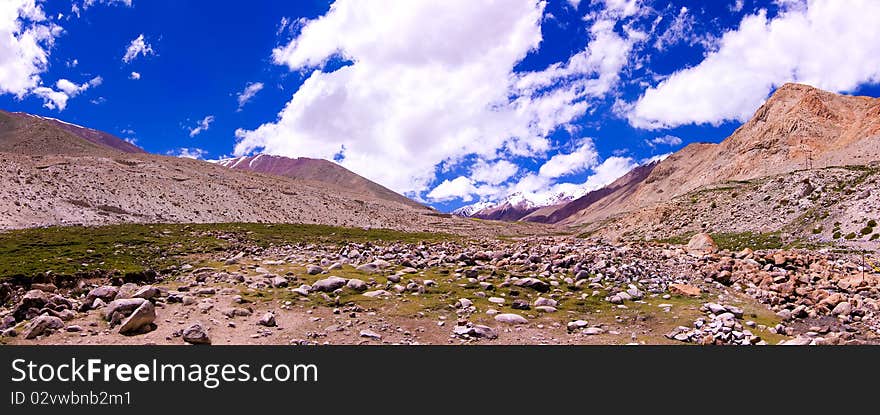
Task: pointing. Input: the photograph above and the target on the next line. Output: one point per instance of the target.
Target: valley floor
(299, 284)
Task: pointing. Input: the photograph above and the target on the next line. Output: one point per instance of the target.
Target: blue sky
(448, 102)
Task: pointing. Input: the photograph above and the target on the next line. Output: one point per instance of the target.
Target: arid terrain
(449, 290)
(769, 237)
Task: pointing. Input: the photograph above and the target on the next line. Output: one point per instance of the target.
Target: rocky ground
(835, 205)
(538, 290)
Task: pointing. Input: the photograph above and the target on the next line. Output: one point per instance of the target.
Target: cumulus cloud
(202, 126)
(542, 190)
(828, 44)
(135, 76)
(414, 94)
(459, 188)
(188, 153)
(563, 164)
(249, 92)
(137, 47)
(72, 89)
(26, 38)
(493, 173)
(56, 99)
(667, 140)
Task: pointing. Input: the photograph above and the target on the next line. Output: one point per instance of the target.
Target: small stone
(267, 320)
(196, 334)
(279, 282)
(510, 318)
(356, 284)
(592, 331)
(842, 309)
(370, 334)
(520, 304)
(314, 270)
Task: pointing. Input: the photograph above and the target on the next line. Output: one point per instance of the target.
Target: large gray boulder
(42, 325)
(140, 320)
(329, 284)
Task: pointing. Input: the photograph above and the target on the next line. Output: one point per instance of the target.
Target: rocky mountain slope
(799, 127)
(24, 133)
(52, 173)
(316, 170)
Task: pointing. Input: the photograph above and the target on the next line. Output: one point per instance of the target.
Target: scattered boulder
(196, 334)
(510, 318)
(42, 325)
(685, 290)
(314, 270)
(124, 307)
(146, 292)
(267, 320)
(370, 334)
(701, 244)
(368, 268)
(140, 320)
(329, 284)
(106, 293)
(533, 283)
(356, 284)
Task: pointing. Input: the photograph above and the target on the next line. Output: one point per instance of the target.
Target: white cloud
(26, 38)
(563, 164)
(202, 126)
(249, 92)
(610, 170)
(543, 190)
(459, 188)
(89, 3)
(682, 30)
(135, 76)
(829, 44)
(737, 6)
(72, 89)
(52, 99)
(138, 46)
(417, 94)
(668, 140)
(57, 99)
(188, 153)
(623, 8)
(493, 173)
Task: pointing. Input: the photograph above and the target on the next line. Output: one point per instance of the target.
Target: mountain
(32, 134)
(805, 164)
(55, 173)
(470, 210)
(517, 206)
(316, 170)
(619, 189)
(798, 127)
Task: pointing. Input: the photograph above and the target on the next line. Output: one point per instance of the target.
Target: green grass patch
(78, 250)
(741, 240)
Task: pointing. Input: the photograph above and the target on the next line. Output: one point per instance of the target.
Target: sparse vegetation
(134, 248)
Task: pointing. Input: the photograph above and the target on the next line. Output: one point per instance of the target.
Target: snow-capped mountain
(516, 205)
